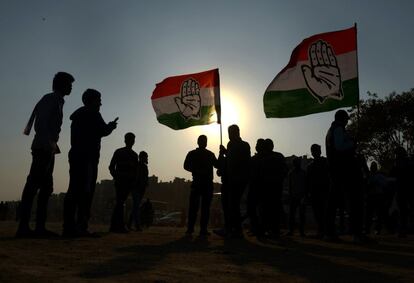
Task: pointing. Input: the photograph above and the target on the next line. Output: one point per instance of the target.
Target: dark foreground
(162, 254)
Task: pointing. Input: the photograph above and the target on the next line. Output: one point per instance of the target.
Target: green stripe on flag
(176, 121)
(299, 102)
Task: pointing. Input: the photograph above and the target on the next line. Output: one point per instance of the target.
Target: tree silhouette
(383, 125)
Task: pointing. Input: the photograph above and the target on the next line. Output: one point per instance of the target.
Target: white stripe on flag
(292, 78)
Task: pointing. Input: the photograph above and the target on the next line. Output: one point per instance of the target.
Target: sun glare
(231, 113)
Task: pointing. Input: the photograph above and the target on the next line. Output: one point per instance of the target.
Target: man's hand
(113, 123)
(189, 103)
(223, 150)
(323, 77)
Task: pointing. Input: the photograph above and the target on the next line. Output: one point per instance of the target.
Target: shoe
(45, 234)
(25, 233)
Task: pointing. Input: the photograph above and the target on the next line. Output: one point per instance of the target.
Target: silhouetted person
(124, 170)
(138, 191)
(346, 177)
(403, 174)
(297, 194)
(200, 163)
(237, 169)
(255, 188)
(225, 195)
(317, 181)
(375, 203)
(87, 129)
(273, 172)
(47, 118)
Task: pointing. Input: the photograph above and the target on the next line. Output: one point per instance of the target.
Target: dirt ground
(162, 254)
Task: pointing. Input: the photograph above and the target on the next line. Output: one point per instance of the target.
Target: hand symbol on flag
(189, 102)
(323, 77)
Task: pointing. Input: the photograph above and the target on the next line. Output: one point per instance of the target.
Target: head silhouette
(341, 117)
(129, 139)
(234, 132)
(62, 83)
(202, 141)
(260, 146)
(91, 98)
(268, 145)
(316, 150)
(143, 157)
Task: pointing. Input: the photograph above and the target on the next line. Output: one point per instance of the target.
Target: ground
(162, 254)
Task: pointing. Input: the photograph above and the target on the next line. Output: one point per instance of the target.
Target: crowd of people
(334, 185)
(340, 182)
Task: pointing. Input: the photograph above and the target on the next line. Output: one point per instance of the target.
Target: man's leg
(302, 217)
(206, 197)
(86, 198)
(46, 190)
(77, 180)
(193, 209)
(134, 216)
(331, 207)
(292, 214)
(118, 224)
(236, 193)
(38, 170)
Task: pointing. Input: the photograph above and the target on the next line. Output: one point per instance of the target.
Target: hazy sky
(122, 48)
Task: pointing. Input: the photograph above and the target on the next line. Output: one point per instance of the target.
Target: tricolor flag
(322, 75)
(188, 100)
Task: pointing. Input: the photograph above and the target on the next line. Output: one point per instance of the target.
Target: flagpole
(221, 134)
(357, 66)
(218, 108)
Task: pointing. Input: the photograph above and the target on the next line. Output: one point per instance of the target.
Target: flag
(188, 100)
(322, 75)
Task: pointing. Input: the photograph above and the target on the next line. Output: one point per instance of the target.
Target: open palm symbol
(323, 77)
(189, 102)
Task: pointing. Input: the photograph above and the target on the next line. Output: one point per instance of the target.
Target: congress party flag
(322, 75)
(188, 100)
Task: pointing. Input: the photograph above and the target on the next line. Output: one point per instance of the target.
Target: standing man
(238, 171)
(138, 191)
(346, 177)
(200, 163)
(47, 118)
(273, 172)
(87, 129)
(124, 170)
(317, 183)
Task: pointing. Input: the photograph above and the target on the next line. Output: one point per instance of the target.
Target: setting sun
(232, 110)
